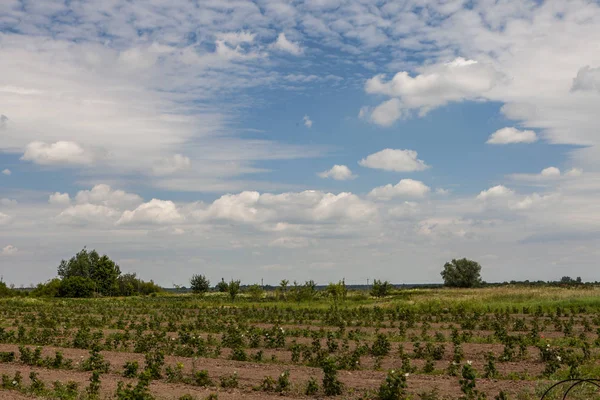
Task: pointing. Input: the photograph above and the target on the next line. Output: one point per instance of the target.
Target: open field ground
(504, 342)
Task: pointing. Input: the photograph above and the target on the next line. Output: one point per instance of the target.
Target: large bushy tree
(462, 273)
(199, 284)
(101, 270)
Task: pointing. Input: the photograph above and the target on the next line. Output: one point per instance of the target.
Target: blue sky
(300, 140)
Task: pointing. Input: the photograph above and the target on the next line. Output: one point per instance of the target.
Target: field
(505, 342)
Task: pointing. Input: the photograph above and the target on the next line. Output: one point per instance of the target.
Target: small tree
(199, 284)
(337, 291)
(380, 289)
(462, 273)
(222, 286)
(234, 289)
(255, 292)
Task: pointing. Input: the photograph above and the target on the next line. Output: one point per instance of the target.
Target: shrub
(394, 386)
(229, 381)
(199, 284)
(331, 385)
(312, 387)
(381, 346)
(201, 378)
(130, 369)
(76, 286)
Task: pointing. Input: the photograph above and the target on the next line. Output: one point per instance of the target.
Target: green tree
(199, 284)
(337, 291)
(48, 289)
(462, 273)
(222, 286)
(255, 292)
(233, 288)
(76, 286)
(380, 289)
(103, 271)
(283, 288)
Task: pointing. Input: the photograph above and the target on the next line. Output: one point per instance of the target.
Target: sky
(317, 139)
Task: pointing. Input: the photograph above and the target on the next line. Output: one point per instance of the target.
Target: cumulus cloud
(6, 172)
(8, 202)
(9, 250)
(550, 172)
(104, 195)
(394, 160)
(60, 199)
(436, 85)
(337, 172)
(307, 121)
(587, 79)
(404, 188)
(510, 135)
(83, 214)
(283, 44)
(171, 165)
(153, 212)
(548, 175)
(406, 210)
(59, 153)
(495, 192)
(310, 206)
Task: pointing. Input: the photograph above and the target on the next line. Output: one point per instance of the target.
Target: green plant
(93, 390)
(312, 387)
(201, 378)
(283, 382)
(130, 369)
(381, 345)
(229, 381)
(394, 386)
(199, 284)
(331, 385)
(462, 273)
(490, 370)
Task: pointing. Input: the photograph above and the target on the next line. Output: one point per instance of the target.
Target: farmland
(503, 342)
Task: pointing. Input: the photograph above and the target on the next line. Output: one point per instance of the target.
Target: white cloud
(290, 242)
(532, 201)
(153, 212)
(61, 199)
(236, 38)
(83, 214)
(6, 172)
(283, 44)
(495, 192)
(550, 172)
(510, 135)
(302, 207)
(8, 202)
(9, 250)
(587, 79)
(5, 219)
(407, 209)
(307, 121)
(442, 191)
(574, 172)
(386, 113)
(337, 172)
(404, 188)
(62, 152)
(104, 195)
(435, 86)
(394, 160)
(171, 165)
